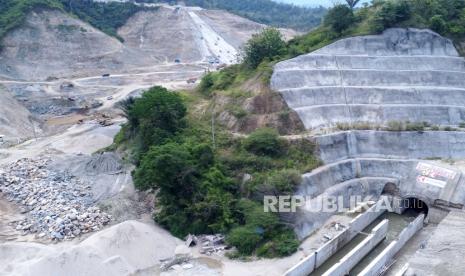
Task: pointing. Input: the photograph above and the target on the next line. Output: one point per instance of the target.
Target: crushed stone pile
(57, 205)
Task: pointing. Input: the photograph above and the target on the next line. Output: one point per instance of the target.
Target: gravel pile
(57, 205)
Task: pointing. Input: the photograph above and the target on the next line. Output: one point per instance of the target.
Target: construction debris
(209, 244)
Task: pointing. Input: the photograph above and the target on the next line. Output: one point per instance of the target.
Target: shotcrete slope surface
(403, 74)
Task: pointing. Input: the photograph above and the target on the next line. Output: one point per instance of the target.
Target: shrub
(244, 238)
(391, 13)
(266, 45)
(157, 116)
(339, 18)
(168, 168)
(283, 244)
(438, 24)
(415, 127)
(280, 182)
(206, 84)
(264, 141)
(395, 126)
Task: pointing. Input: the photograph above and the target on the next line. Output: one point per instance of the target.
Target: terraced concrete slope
(403, 74)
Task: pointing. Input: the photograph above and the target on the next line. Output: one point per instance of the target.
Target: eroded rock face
(403, 74)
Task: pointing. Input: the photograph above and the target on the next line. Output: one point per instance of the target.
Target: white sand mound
(119, 250)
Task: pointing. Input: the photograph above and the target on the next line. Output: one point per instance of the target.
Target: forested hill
(262, 11)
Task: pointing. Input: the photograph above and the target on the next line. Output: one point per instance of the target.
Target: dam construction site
(371, 124)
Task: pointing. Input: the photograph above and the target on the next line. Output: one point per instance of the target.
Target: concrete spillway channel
(367, 247)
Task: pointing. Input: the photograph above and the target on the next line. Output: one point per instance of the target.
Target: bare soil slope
(15, 120)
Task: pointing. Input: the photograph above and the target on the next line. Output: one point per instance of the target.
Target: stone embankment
(57, 205)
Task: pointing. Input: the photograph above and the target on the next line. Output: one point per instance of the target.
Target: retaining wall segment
(322, 254)
(387, 255)
(352, 258)
(391, 144)
(306, 220)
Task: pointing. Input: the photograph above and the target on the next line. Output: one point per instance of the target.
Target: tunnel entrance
(391, 189)
(415, 205)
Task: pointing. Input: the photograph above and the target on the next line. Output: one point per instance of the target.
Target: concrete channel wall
(322, 254)
(391, 144)
(351, 259)
(385, 257)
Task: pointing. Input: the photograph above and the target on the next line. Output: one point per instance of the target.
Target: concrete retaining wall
(304, 267)
(305, 221)
(322, 254)
(352, 258)
(390, 144)
(393, 248)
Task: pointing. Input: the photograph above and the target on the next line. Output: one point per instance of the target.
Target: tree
(352, 3)
(267, 44)
(158, 115)
(339, 18)
(438, 24)
(391, 13)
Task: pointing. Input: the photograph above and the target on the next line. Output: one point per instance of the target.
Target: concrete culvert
(413, 204)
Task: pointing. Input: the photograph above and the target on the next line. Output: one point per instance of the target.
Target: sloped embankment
(15, 120)
(403, 74)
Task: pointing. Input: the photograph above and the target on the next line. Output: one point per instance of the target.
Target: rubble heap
(209, 244)
(57, 205)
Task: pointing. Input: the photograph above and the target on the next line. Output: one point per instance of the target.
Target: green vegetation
(206, 187)
(263, 11)
(340, 18)
(268, 44)
(107, 17)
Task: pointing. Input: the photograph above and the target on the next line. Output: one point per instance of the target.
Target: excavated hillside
(399, 76)
(52, 44)
(15, 121)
